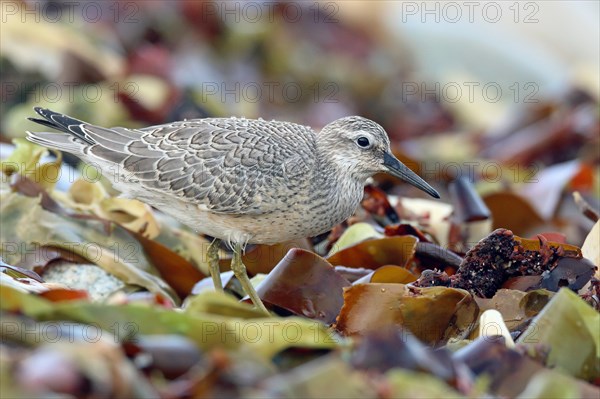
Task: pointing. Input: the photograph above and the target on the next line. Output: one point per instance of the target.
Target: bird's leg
(239, 270)
(213, 264)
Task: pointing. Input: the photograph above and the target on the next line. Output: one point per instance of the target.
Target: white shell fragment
(492, 324)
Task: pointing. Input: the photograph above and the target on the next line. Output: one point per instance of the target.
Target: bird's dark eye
(363, 142)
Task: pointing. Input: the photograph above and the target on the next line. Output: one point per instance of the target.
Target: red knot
(236, 179)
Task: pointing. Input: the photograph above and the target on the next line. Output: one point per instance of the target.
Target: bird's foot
(239, 269)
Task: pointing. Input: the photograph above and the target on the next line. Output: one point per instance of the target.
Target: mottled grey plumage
(236, 179)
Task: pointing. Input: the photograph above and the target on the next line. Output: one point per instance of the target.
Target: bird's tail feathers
(61, 122)
(58, 141)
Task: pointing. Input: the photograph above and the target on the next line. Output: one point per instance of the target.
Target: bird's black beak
(401, 171)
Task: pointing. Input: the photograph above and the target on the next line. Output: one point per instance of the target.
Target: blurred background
(505, 93)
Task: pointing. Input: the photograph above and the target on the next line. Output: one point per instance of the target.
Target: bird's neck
(343, 188)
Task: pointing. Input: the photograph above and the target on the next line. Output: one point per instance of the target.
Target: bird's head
(361, 148)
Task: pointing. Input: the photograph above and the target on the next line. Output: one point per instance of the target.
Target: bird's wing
(234, 166)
